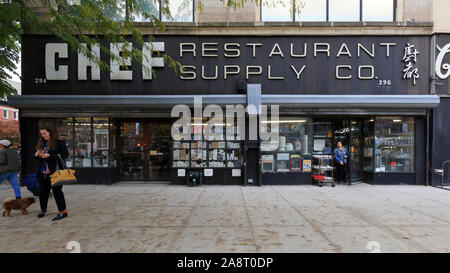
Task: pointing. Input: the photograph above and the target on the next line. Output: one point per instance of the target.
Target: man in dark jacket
(340, 155)
(9, 165)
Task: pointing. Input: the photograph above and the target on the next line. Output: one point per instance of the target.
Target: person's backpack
(9, 161)
(13, 155)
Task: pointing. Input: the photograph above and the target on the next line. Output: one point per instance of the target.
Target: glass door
(341, 134)
(355, 151)
(133, 156)
(158, 150)
(348, 132)
(145, 153)
(368, 148)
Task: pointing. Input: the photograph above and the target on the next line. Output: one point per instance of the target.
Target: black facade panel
(177, 180)
(420, 150)
(29, 135)
(394, 179)
(220, 177)
(440, 145)
(286, 178)
(106, 176)
(367, 177)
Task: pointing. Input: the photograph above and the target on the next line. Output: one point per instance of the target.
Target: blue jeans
(12, 179)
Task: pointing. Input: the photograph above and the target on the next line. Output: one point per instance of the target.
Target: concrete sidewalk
(163, 218)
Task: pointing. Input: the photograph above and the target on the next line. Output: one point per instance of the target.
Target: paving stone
(130, 217)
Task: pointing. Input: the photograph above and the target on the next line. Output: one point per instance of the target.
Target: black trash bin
(194, 177)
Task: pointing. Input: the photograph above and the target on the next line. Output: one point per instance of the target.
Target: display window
(323, 138)
(369, 139)
(394, 144)
(199, 154)
(220, 150)
(181, 151)
(82, 151)
(292, 148)
(64, 129)
(100, 147)
(88, 140)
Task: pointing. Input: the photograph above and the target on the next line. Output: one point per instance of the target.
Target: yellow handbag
(63, 177)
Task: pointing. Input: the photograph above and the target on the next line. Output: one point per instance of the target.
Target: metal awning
(88, 101)
(354, 101)
(160, 105)
(162, 101)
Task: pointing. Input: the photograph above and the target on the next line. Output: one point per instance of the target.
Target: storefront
(439, 125)
(381, 149)
(370, 92)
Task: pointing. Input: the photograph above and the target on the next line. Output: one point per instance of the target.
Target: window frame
(293, 17)
(53, 122)
(127, 13)
(308, 124)
(93, 139)
(7, 113)
(394, 11)
(413, 154)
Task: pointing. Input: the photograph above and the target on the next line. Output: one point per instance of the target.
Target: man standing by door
(340, 155)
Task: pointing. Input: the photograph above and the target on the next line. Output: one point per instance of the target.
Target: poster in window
(283, 162)
(306, 165)
(319, 145)
(296, 163)
(208, 172)
(267, 163)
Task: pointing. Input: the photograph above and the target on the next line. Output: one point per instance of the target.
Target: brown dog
(17, 204)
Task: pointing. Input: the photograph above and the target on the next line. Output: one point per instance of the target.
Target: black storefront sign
(219, 65)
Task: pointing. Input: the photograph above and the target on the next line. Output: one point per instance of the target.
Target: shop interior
(143, 150)
(374, 145)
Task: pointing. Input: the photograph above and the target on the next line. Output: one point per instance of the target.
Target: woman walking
(47, 150)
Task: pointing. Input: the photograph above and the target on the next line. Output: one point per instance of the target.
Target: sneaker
(42, 213)
(60, 216)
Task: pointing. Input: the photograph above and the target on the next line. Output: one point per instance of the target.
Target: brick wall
(9, 126)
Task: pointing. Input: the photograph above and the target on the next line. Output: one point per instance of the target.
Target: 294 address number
(40, 80)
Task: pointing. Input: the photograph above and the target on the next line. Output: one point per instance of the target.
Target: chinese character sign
(410, 58)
